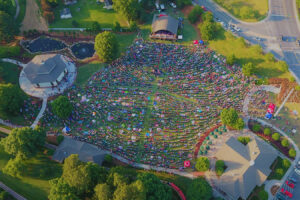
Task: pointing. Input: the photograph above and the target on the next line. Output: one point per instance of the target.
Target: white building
(46, 70)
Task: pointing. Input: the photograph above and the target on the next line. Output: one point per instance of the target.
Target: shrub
(243, 140)
(195, 14)
(292, 153)
(202, 164)
(297, 88)
(292, 79)
(231, 59)
(117, 27)
(208, 30)
(248, 69)
(285, 142)
(59, 139)
(256, 128)
(279, 172)
(263, 195)
(276, 136)
(286, 163)
(267, 131)
(220, 167)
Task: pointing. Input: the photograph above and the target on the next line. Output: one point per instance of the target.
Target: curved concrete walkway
(14, 62)
(10, 191)
(40, 115)
(17, 9)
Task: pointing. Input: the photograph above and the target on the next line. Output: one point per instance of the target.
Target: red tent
(196, 42)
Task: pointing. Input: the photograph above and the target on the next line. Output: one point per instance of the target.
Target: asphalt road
(281, 21)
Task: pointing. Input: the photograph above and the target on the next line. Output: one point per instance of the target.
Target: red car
(291, 185)
(287, 193)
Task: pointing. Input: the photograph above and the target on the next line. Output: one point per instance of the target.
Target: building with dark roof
(46, 70)
(164, 27)
(247, 166)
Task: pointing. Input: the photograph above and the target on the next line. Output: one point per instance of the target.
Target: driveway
(282, 20)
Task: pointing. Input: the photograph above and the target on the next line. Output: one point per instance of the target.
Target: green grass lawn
(86, 71)
(246, 10)
(89, 12)
(227, 44)
(34, 185)
(277, 164)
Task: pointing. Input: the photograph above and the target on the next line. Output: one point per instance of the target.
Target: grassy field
(85, 12)
(227, 44)
(246, 10)
(34, 185)
(86, 71)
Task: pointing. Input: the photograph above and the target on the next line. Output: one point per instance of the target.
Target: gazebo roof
(44, 68)
(165, 23)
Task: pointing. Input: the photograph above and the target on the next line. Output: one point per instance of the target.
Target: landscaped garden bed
(279, 168)
(43, 44)
(83, 50)
(271, 136)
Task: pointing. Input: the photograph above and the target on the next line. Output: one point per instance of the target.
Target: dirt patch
(186, 10)
(274, 189)
(33, 18)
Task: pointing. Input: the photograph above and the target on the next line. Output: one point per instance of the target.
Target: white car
(157, 6)
(162, 7)
(172, 5)
(297, 171)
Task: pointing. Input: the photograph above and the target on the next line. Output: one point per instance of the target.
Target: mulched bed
(43, 44)
(83, 50)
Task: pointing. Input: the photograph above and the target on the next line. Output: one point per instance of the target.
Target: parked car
(291, 185)
(287, 193)
(297, 171)
(162, 7)
(280, 196)
(293, 180)
(172, 5)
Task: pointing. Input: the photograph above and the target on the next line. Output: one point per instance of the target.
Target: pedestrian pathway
(10, 191)
(268, 185)
(285, 100)
(40, 115)
(4, 130)
(14, 62)
(17, 9)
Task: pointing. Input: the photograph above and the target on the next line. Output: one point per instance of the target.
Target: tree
(231, 59)
(62, 107)
(276, 136)
(279, 171)
(285, 142)
(199, 190)
(256, 128)
(11, 98)
(229, 116)
(8, 7)
(80, 176)
(195, 14)
(282, 66)
(60, 190)
(220, 167)
(8, 27)
(248, 69)
(243, 140)
(96, 27)
(208, 17)
(14, 167)
(129, 8)
(106, 46)
(24, 141)
(154, 188)
(286, 163)
(103, 192)
(207, 30)
(135, 191)
(239, 125)
(292, 153)
(267, 131)
(202, 164)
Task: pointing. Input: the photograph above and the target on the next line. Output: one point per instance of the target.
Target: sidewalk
(10, 191)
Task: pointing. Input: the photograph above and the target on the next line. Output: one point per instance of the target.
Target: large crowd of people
(151, 105)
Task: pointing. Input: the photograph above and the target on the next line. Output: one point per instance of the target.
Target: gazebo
(46, 70)
(164, 27)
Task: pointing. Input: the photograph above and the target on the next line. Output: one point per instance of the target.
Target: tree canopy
(24, 141)
(155, 189)
(106, 46)
(202, 164)
(14, 167)
(220, 167)
(128, 8)
(199, 190)
(231, 118)
(60, 190)
(62, 107)
(276, 136)
(8, 27)
(248, 69)
(11, 98)
(195, 14)
(103, 192)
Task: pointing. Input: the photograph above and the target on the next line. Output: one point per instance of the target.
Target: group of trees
(208, 27)
(195, 14)
(230, 117)
(80, 180)
(8, 25)
(21, 144)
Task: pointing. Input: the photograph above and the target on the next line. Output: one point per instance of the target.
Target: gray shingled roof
(86, 152)
(247, 166)
(165, 23)
(44, 68)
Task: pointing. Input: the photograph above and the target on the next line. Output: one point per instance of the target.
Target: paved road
(282, 20)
